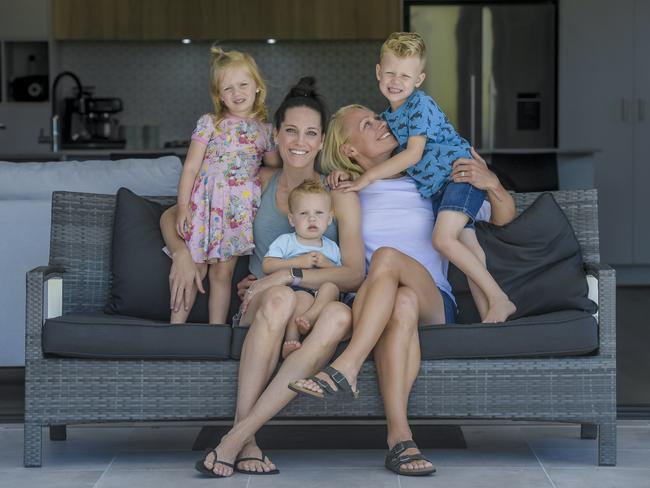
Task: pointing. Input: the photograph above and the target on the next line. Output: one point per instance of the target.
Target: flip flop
(201, 467)
(339, 378)
(395, 460)
(261, 460)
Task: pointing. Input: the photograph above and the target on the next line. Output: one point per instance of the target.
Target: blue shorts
(451, 312)
(459, 197)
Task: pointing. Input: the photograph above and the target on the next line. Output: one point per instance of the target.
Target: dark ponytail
(303, 94)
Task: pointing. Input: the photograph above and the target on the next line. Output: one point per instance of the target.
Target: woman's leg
(220, 275)
(389, 269)
(180, 317)
(330, 328)
(397, 358)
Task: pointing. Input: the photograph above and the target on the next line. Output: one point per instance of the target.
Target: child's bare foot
(499, 311)
(288, 347)
(304, 324)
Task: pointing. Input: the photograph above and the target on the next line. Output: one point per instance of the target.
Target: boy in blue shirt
(429, 145)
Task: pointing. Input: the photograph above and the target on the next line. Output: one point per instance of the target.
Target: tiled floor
(497, 455)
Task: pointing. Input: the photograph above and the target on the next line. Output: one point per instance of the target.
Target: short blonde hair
(220, 62)
(404, 45)
(332, 157)
(311, 186)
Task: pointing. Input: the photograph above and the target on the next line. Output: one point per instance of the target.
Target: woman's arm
(476, 172)
(184, 272)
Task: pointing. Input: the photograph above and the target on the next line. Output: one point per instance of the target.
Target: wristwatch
(296, 276)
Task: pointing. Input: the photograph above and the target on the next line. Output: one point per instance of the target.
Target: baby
(310, 212)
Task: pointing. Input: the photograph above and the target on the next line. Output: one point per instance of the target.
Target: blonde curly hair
(220, 62)
(404, 45)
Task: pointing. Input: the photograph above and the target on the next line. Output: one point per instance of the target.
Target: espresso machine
(91, 123)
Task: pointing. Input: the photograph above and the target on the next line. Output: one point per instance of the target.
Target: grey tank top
(270, 223)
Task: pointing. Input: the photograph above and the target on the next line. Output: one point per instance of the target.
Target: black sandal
(339, 378)
(261, 460)
(395, 460)
(203, 469)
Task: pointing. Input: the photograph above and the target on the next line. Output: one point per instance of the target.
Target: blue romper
(419, 115)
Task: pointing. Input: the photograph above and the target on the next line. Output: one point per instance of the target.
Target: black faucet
(55, 125)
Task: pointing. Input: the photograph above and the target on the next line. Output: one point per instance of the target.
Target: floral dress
(226, 192)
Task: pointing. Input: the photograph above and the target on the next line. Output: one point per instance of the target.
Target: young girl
(219, 188)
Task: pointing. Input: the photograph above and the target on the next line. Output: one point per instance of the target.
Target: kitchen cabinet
(603, 103)
(24, 20)
(225, 20)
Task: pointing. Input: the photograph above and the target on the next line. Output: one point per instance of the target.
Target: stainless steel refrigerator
(491, 66)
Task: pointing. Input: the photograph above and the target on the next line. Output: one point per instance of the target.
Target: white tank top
(395, 215)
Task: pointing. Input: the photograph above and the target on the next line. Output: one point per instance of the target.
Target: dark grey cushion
(97, 335)
(536, 259)
(140, 269)
(566, 333)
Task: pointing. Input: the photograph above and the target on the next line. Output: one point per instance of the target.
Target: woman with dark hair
(269, 302)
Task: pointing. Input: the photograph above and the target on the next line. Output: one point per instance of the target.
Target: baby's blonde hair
(332, 157)
(311, 186)
(223, 60)
(405, 45)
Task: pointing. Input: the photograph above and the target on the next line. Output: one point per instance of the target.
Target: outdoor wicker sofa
(73, 390)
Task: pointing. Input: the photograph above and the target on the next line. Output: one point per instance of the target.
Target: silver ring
(462, 174)
(249, 291)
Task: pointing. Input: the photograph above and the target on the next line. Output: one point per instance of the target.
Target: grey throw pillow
(537, 261)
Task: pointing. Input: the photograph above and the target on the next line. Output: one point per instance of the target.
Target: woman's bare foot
(251, 450)
(499, 311)
(304, 324)
(224, 452)
(288, 347)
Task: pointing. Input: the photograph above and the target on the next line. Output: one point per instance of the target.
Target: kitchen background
(132, 49)
(166, 84)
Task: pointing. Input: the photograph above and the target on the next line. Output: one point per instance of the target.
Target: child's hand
(307, 260)
(321, 261)
(357, 185)
(182, 222)
(336, 177)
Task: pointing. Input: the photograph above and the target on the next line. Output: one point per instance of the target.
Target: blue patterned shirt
(419, 115)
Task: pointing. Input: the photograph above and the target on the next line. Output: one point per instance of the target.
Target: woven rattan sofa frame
(61, 391)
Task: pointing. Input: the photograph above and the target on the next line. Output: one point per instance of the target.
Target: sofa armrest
(606, 277)
(35, 312)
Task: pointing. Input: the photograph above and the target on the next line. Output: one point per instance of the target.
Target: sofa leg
(607, 443)
(588, 431)
(33, 445)
(58, 433)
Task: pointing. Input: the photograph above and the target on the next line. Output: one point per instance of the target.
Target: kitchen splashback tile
(166, 83)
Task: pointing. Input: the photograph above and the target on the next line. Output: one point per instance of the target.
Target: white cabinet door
(596, 89)
(642, 135)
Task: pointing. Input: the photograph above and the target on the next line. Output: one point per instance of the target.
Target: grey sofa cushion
(566, 333)
(140, 269)
(537, 261)
(98, 335)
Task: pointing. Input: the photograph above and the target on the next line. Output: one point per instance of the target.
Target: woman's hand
(183, 276)
(357, 185)
(475, 172)
(244, 285)
(281, 277)
(182, 221)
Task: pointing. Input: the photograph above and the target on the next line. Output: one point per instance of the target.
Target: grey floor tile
(556, 436)
(166, 478)
(327, 458)
(39, 477)
(328, 478)
(636, 437)
(481, 477)
(600, 478)
(162, 438)
(167, 459)
(588, 458)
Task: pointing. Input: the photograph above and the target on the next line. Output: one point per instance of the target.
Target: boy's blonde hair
(220, 62)
(404, 45)
(311, 186)
(332, 157)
